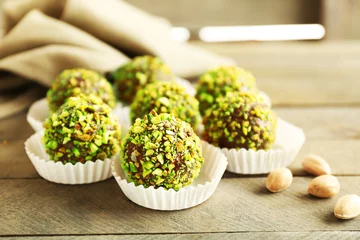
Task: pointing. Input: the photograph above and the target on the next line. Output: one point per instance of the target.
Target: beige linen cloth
(43, 37)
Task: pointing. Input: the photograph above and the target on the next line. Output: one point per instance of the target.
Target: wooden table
(315, 86)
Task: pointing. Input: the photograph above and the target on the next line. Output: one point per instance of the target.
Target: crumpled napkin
(42, 38)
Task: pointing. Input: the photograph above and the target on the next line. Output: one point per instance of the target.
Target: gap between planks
(300, 73)
(32, 207)
(226, 235)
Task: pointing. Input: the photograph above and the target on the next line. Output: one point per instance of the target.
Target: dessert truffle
(166, 97)
(81, 130)
(219, 81)
(72, 82)
(133, 76)
(240, 120)
(161, 151)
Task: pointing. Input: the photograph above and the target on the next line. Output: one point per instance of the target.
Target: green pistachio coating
(83, 129)
(72, 82)
(133, 76)
(219, 81)
(240, 120)
(161, 151)
(166, 97)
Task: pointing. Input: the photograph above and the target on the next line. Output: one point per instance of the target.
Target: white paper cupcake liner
(161, 199)
(187, 85)
(80, 173)
(122, 113)
(37, 114)
(266, 98)
(289, 140)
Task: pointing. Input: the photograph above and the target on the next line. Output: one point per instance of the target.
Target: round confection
(83, 129)
(166, 97)
(219, 81)
(72, 82)
(133, 76)
(240, 120)
(161, 151)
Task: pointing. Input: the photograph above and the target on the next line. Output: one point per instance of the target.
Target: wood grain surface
(325, 235)
(316, 89)
(199, 13)
(38, 207)
(300, 73)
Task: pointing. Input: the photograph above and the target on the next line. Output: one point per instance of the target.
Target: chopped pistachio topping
(165, 153)
(166, 97)
(240, 120)
(133, 76)
(219, 81)
(72, 82)
(81, 130)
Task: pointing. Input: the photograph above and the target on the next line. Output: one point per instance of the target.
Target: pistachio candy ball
(133, 76)
(240, 120)
(219, 81)
(72, 82)
(166, 97)
(83, 129)
(161, 151)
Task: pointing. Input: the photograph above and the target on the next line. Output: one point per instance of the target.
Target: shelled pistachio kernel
(316, 165)
(136, 74)
(81, 130)
(279, 179)
(240, 120)
(166, 97)
(324, 186)
(347, 207)
(217, 82)
(161, 150)
(72, 82)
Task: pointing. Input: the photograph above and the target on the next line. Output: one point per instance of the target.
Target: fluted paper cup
(266, 98)
(187, 85)
(37, 114)
(122, 113)
(161, 199)
(80, 173)
(289, 140)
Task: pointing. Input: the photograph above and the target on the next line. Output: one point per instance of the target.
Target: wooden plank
(353, 31)
(340, 235)
(300, 73)
(341, 155)
(37, 207)
(329, 123)
(324, 123)
(341, 19)
(15, 127)
(335, 18)
(14, 163)
(11, 104)
(199, 13)
(329, 134)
